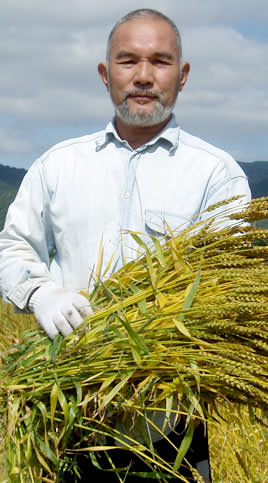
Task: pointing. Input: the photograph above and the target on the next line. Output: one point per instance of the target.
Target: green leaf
(181, 327)
(43, 411)
(56, 347)
(134, 336)
(159, 252)
(184, 446)
(13, 414)
(48, 452)
(190, 295)
(42, 460)
(115, 390)
(53, 402)
(149, 260)
(195, 367)
(69, 429)
(28, 452)
(142, 303)
(64, 405)
(79, 392)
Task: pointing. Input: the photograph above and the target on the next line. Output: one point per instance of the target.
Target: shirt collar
(170, 133)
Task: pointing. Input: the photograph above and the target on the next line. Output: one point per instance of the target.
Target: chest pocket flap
(159, 223)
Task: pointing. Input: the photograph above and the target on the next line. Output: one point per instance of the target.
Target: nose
(144, 74)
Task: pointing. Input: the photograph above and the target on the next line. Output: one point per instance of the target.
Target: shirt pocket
(158, 223)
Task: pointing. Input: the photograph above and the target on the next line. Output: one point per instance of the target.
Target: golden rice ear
(181, 331)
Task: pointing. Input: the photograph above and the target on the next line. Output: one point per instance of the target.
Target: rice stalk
(171, 331)
(238, 443)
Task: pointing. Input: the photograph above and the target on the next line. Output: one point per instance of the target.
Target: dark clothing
(198, 452)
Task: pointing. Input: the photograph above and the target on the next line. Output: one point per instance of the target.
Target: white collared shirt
(94, 189)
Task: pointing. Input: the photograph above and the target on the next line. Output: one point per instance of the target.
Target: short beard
(160, 113)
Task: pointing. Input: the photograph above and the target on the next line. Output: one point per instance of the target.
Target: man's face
(143, 75)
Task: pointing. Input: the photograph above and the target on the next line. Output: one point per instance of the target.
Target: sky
(50, 90)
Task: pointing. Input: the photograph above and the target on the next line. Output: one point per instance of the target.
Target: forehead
(144, 35)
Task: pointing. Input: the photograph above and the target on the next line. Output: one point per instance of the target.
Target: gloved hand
(58, 310)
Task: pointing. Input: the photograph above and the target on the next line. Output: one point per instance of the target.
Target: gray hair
(144, 13)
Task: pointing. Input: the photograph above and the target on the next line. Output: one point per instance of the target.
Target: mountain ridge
(10, 179)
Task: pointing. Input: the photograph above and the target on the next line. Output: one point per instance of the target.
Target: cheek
(118, 85)
(170, 88)
(168, 82)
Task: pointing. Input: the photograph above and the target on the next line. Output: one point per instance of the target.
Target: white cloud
(77, 12)
(59, 105)
(50, 51)
(12, 141)
(227, 87)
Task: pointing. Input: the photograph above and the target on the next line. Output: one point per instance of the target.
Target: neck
(136, 136)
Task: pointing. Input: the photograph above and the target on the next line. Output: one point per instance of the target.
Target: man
(139, 173)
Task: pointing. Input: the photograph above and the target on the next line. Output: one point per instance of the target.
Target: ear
(185, 69)
(103, 73)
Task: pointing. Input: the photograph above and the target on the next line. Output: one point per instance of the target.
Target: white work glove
(58, 310)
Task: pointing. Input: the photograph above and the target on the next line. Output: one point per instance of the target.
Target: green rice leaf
(159, 252)
(55, 348)
(190, 293)
(48, 452)
(149, 260)
(41, 406)
(64, 405)
(142, 303)
(184, 446)
(28, 453)
(109, 397)
(42, 461)
(181, 327)
(138, 341)
(53, 402)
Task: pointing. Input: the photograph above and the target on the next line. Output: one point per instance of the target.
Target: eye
(127, 62)
(161, 62)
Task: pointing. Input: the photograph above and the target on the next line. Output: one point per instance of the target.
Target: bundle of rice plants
(183, 324)
(238, 443)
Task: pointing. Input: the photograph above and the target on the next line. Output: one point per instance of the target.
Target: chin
(141, 118)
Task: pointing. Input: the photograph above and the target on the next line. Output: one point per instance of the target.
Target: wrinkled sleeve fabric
(26, 240)
(224, 186)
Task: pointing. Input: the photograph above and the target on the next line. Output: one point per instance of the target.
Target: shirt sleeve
(226, 184)
(26, 241)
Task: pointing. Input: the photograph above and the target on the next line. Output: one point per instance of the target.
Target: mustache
(142, 93)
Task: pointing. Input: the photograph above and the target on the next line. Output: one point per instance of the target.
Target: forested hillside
(10, 179)
(257, 173)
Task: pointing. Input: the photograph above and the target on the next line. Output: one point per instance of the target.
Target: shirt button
(127, 195)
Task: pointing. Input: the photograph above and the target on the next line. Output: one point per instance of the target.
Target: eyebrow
(125, 53)
(165, 55)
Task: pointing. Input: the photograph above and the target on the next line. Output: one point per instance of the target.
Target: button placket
(128, 200)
